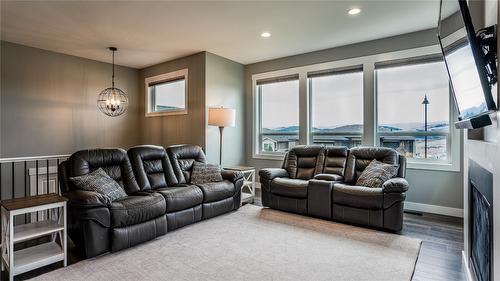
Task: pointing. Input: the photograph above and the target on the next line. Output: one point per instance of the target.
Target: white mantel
(486, 154)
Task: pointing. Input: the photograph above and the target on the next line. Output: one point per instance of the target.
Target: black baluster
(1, 181)
(48, 187)
(13, 180)
(25, 187)
(36, 173)
(58, 191)
(47, 175)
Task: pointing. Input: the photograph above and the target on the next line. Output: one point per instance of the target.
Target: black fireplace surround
(481, 221)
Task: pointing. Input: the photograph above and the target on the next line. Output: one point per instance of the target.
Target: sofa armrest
(271, 173)
(329, 177)
(86, 199)
(395, 185)
(232, 176)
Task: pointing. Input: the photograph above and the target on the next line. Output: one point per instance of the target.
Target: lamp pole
(426, 104)
(221, 129)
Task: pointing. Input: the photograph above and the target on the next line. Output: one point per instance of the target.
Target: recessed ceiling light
(265, 34)
(354, 11)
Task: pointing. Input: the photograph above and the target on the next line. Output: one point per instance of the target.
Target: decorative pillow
(98, 181)
(376, 173)
(203, 173)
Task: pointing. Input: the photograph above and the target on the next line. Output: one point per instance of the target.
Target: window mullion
(153, 99)
(304, 112)
(369, 111)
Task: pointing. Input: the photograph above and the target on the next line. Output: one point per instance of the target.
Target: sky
(338, 100)
(401, 91)
(171, 94)
(280, 104)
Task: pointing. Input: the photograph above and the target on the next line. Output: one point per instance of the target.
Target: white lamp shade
(222, 117)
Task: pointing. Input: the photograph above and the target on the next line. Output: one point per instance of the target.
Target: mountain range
(358, 128)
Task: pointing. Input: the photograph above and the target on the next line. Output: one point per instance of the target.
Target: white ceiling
(147, 33)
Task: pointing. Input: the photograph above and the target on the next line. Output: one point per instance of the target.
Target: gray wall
(427, 187)
(225, 87)
(177, 129)
(48, 103)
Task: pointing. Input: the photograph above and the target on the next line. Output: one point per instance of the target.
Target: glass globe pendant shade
(112, 102)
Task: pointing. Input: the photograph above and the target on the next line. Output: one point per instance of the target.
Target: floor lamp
(221, 117)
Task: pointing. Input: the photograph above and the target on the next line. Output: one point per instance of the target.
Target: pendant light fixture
(112, 101)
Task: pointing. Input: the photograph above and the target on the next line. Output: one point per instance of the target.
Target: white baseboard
(434, 209)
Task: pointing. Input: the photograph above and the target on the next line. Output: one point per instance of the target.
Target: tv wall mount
(487, 38)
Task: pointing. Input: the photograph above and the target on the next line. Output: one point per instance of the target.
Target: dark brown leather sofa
(320, 182)
(160, 198)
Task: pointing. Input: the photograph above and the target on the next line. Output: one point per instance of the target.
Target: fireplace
(481, 221)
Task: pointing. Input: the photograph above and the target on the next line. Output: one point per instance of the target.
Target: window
(167, 94)
(337, 108)
(278, 101)
(414, 110)
(375, 100)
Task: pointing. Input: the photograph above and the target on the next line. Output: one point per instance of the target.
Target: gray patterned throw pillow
(98, 181)
(203, 173)
(376, 173)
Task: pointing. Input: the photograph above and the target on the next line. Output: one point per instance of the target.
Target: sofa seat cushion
(216, 191)
(295, 188)
(181, 197)
(136, 209)
(358, 196)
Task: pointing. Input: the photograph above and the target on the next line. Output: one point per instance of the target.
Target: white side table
(248, 188)
(21, 261)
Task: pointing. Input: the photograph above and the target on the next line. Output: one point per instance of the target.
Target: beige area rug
(257, 244)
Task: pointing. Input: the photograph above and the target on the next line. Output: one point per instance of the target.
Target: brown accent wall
(177, 129)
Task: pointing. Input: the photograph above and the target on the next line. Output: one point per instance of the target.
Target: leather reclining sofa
(160, 196)
(320, 182)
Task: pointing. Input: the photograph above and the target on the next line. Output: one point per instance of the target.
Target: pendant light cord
(113, 77)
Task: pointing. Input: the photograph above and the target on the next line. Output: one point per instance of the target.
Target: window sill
(165, 113)
(446, 167)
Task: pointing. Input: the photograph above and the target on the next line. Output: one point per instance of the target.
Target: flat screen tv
(466, 65)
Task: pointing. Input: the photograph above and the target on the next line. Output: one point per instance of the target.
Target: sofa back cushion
(360, 157)
(182, 158)
(335, 160)
(304, 162)
(113, 161)
(152, 167)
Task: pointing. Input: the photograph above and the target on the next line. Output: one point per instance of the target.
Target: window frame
(335, 71)
(259, 152)
(164, 78)
(370, 122)
(452, 137)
